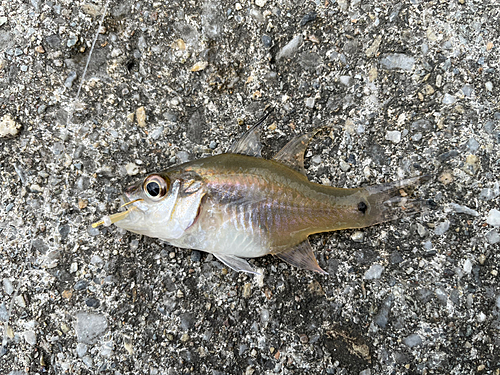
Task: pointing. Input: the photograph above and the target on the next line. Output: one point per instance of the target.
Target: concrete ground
(408, 88)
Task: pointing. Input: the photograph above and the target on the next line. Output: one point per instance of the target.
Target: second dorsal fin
(292, 154)
(249, 143)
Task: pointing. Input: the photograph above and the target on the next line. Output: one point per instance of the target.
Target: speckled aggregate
(407, 87)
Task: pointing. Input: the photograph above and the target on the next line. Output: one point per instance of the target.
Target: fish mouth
(119, 216)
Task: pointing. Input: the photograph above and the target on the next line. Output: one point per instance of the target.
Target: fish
(238, 205)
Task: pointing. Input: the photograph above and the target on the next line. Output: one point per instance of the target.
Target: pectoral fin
(292, 154)
(302, 256)
(236, 263)
(249, 143)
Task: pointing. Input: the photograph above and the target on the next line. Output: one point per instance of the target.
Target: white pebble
(30, 337)
(441, 228)
(492, 237)
(8, 127)
(468, 266)
(357, 236)
(393, 136)
(449, 99)
(290, 48)
(374, 272)
(481, 317)
(260, 3)
(463, 209)
(493, 218)
(132, 169)
(310, 102)
(489, 86)
(7, 286)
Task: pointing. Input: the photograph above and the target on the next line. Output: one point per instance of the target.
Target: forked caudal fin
(391, 201)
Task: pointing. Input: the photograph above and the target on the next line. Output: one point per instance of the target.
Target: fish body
(239, 206)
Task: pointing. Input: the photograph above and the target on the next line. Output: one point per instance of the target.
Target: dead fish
(238, 205)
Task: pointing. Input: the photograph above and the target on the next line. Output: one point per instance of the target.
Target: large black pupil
(153, 189)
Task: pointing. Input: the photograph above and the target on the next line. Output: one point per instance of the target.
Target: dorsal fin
(293, 153)
(249, 143)
(301, 256)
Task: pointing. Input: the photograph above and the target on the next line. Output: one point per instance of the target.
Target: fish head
(162, 205)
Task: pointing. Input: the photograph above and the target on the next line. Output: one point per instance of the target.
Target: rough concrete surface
(407, 88)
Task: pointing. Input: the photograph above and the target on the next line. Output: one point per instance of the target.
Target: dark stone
(81, 285)
(195, 256)
(53, 41)
(39, 245)
(267, 41)
(396, 258)
(445, 156)
(309, 17)
(187, 321)
(93, 302)
(195, 127)
(64, 231)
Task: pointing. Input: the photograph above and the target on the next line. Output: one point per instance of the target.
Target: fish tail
(393, 200)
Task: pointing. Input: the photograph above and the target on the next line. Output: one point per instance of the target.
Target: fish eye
(155, 186)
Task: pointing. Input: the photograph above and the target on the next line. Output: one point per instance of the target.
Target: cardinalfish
(238, 205)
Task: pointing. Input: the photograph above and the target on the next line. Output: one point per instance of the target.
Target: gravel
(402, 88)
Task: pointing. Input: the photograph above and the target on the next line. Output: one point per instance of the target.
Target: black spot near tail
(362, 207)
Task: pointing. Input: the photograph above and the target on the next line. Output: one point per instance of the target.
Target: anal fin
(236, 263)
(302, 256)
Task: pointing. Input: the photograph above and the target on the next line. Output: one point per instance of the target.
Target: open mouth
(110, 219)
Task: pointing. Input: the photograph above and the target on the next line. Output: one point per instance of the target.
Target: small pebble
(7, 286)
(358, 236)
(260, 3)
(393, 136)
(155, 134)
(89, 327)
(468, 266)
(493, 218)
(398, 61)
(140, 115)
(472, 145)
(412, 340)
(344, 166)
(288, 50)
(69, 80)
(489, 86)
(374, 272)
(441, 228)
(490, 193)
(199, 66)
(30, 337)
(132, 169)
(345, 80)
(445, 178)
(310, 102)
(309, 17)
(195, 256)
(247, 290)
(493, 237)
(416, 137)
(316, 159)
(81, 349)
(422, 231)
(267, 41)
(9, 127)
(463, 209)
(449, 99)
